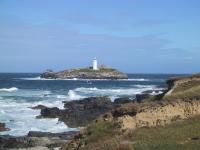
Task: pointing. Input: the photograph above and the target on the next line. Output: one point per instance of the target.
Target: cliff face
(181, 101)
(160, 115)
(85, 73)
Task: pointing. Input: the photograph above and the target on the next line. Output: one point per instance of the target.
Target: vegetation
(180, 135)
(187, 91)
(184, 135)
(102, 135)
(91, 70)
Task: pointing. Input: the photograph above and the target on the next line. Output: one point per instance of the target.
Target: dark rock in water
(155, 91)
(48, 74)
(36, 139)
(38, 107)
(3, 127)
(51, 112)
(122, 100)
(142, 97)
(16, 142)
(80, 112)
(88, 103)
(62, 135)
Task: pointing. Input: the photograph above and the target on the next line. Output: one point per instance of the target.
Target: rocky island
(94, 72)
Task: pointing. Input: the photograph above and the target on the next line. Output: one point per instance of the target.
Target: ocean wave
(12, 89)
(72, 95)
(21, 119)
(143, 86)
(78, 79)
(61, 96)
(113, 92)
(139, 79)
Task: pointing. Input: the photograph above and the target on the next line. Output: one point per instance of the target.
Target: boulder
(123, 100)
(35, 139)
(141, 97)
(79, 113)
(129, 109)
(3, 127)
(53, 112)
(7, 141)
(48, 74)
(38, 107)
(62, 135)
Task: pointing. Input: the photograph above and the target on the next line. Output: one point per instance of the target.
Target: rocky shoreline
(76, 113)
(180, 102)
(36, 140)
(148, 109)
(3, 127)
(79, 113)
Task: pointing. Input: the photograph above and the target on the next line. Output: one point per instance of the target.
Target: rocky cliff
(181, 101)
(85, 73)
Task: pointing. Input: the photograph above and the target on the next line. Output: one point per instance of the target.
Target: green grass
(177, 136)
(186, 94)
(102, 134)
(182, 135)
(186, 86)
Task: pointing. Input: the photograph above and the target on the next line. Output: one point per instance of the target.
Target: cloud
(58, 40)
(149, 23)
(45, 46)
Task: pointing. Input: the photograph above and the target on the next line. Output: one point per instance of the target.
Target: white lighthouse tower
(94, 64)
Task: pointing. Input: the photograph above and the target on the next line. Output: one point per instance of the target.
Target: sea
(20, 91)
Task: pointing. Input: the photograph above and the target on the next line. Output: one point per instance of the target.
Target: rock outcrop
(3, 127)
(180, 101)
(79, 113)
(157, 114)
(36, 140)
(85, 73)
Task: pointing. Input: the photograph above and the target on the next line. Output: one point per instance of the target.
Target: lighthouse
(94, 64)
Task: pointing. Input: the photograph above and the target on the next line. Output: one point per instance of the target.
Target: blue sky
(135, 36)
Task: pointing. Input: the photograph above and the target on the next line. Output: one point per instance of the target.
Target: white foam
(12, 89)
(61, 96)
(21, 119)
(78, 79)
(143, 86)
(139, 79)
(72, 95)
(35, 78)
(113, 91)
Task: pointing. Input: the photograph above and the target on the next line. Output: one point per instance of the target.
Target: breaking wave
(113, 92)
(13, 89)
(77, 79)
(72, 95)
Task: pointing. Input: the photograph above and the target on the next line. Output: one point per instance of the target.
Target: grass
(103, 135)
(185, 91)
(182, 135)
(186, 86)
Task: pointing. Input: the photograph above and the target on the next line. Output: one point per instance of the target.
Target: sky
(134, 36)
